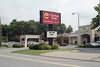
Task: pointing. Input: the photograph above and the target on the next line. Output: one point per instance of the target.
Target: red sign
(47, 17)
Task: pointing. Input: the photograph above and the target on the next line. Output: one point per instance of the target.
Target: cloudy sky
(29, 9)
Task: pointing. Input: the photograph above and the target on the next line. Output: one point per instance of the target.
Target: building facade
(84, 35)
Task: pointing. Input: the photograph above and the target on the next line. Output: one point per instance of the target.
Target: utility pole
(99, 12)
(78, 19)
(50, 26)
(0, 31)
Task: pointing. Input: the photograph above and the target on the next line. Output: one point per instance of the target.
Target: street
(8, 59)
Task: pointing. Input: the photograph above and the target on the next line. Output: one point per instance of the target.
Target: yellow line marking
(39, 61)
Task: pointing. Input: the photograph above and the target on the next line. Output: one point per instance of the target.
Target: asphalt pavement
(8, 59)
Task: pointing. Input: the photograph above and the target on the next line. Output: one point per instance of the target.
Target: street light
(78, 18)
(99, 1)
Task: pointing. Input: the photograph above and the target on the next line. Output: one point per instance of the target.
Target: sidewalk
(75, 55)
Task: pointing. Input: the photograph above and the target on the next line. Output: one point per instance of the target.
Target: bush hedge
(43, 46)
(17, 46)
(55, 46)
(35, 47)
(6, 46)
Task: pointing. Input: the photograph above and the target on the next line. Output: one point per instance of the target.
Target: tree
(69, 29)
(17, 28)
(95, 21)
(31, 27)
(60, 28)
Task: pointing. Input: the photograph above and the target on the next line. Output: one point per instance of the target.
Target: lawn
(3, 47)
(38, 52)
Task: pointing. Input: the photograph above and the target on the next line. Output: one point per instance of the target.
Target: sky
(29, 9)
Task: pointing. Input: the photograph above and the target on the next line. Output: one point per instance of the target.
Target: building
(25, 38)
(84, 35)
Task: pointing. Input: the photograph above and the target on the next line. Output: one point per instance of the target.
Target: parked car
(87, 44)
(98, 42)
(33, 42)
(9, 44)
(94, 44)
(63, 44)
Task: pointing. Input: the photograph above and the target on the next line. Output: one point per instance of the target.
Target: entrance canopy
(24, 38)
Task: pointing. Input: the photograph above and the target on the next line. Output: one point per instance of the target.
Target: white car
(95, 44)
(32, 42)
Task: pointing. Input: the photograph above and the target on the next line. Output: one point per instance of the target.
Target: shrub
(28, 45)
(40, 47)
(45, 47)
(35, 47)
(6, 46)
(17, 46)
(55, 46)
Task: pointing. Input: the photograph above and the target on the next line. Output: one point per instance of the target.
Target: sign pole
(50, 28)
(50, 18)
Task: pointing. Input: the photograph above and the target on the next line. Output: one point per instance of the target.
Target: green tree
(60, 28)
(95, 21)
(69, 29)
(17, 28)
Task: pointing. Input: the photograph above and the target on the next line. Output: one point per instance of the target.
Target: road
(90, 50)
(19, 60)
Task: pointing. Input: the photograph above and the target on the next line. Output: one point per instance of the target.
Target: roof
(85, 26)
(30, 36)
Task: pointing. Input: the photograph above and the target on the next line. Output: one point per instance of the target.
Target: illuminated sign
(47, 17)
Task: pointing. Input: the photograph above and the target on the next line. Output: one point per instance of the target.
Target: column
(79, 40)
(20, 40)
(70, 40)
(92, 36)
(25, 41)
